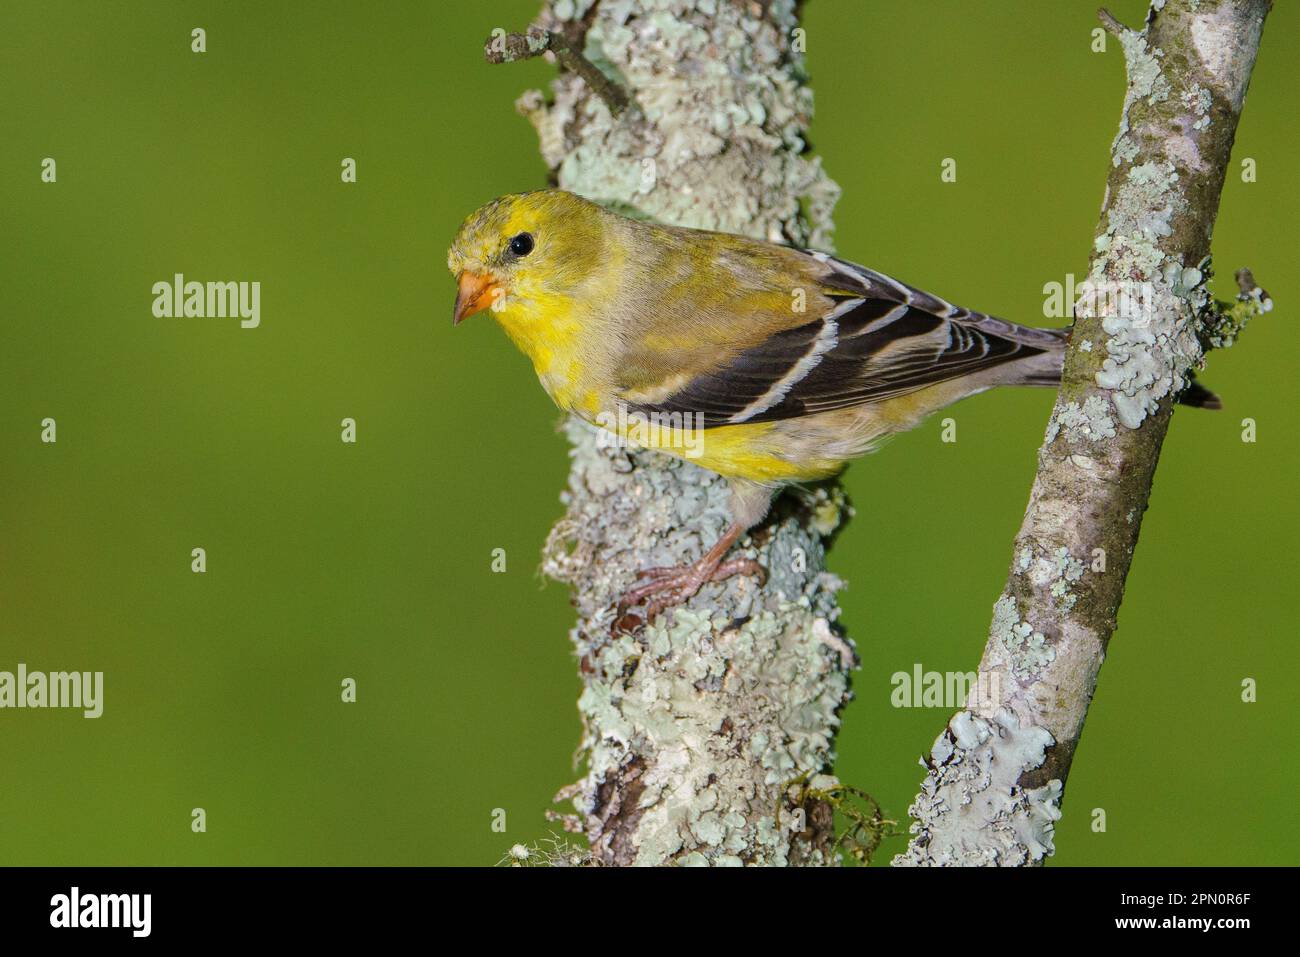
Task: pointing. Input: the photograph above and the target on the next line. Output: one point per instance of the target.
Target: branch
(707, 735)
(997, 772)
(512, 47)
(1225, 321)
(1113, 26)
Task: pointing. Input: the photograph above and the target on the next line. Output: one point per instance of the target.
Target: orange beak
(476, 294)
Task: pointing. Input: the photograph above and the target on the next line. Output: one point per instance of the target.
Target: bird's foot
(672, 585)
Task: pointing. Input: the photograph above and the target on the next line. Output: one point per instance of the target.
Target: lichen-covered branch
(704, 729)
(997, 772)
(695, 724)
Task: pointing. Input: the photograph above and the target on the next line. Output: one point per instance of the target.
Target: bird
(786, 363)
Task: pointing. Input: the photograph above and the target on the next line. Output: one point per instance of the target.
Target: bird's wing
(876, 339)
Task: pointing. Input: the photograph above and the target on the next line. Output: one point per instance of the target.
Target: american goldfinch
(766, 364)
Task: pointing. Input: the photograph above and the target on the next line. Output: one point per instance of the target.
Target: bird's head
(525, 251)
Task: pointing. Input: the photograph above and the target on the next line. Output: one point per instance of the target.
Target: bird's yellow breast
(757, 452)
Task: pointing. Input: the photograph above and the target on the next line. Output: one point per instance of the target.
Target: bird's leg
(675, 584)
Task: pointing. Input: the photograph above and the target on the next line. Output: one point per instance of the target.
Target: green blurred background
(372, 560)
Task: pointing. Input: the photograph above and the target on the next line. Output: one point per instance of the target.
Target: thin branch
(997, 772)
(512, 47)
(1113, 26)
(1224, 321)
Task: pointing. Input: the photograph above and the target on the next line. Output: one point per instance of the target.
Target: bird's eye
(522, 244)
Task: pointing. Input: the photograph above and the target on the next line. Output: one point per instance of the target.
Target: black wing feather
(883, 339)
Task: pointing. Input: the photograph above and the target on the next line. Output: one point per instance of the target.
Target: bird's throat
(548, 336)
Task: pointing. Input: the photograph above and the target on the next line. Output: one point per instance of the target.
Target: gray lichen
(1146, 82)
(1084, 422)
(1152, 342)
(1146, 79)
(1025, 651)
(972, 810)
(1199, 100)
(1059, 575)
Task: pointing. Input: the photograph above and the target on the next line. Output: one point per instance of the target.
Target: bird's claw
(673, 585)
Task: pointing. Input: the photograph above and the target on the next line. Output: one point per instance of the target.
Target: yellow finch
(789, 362)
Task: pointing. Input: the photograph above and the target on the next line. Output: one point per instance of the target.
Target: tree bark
(694, 725)
(997, 772)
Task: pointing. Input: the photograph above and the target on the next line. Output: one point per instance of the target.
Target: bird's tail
(1198, 396)
(1045, 370)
